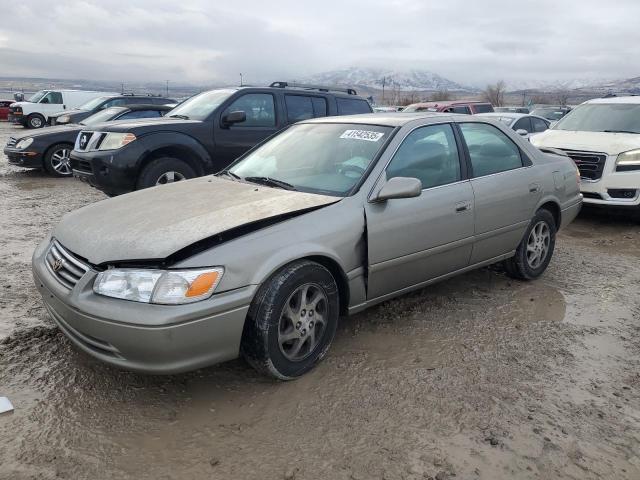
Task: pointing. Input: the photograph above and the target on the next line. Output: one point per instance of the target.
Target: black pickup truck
(202, 135)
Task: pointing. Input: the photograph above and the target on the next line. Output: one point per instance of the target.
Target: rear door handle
(534, 188)
(463, 207)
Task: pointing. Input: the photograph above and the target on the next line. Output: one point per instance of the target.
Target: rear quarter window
(352, 106)
(483, 108)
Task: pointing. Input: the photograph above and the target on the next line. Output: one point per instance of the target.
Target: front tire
(164, 170)
(536, 248)
(35, 120)
(292, 321)
(57, 160)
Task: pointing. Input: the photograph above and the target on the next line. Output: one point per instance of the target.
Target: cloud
(200, 41)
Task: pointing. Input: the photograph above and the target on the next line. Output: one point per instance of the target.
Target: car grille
(12, 142)
(88, 141)
(590, 164)
(66, 268)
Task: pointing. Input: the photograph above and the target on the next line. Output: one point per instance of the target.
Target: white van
(602, 136)
(34, 112)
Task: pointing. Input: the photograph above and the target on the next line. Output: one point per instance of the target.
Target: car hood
(152, 224)
(609, 143)
(43, 132)
(145, 125)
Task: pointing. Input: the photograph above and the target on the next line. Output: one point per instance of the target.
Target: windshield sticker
(367, 135)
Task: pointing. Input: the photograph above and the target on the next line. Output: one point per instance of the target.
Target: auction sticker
(367, 135)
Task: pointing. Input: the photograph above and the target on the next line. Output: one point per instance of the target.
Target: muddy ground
(477, 377)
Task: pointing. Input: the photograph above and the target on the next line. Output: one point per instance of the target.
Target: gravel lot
(477, 377)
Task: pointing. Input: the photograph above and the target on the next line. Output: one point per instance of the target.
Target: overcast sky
(207, 41)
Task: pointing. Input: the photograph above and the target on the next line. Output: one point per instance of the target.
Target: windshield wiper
(183, 117)
(228, 174)
(274, 182)
(619, 131)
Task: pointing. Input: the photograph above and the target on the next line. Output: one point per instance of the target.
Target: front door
(412, 240)
(233, 140)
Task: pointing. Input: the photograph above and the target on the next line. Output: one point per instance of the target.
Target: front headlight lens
(24, 143)
(113, 141)
(630, 158)
(63, 119)
(166, 287)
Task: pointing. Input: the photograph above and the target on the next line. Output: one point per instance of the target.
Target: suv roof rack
(131, 94)
(305, 86)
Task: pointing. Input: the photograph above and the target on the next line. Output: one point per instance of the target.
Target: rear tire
(536, 248)
(57, 161)
(35, 120)
(164, 170)
(292, 321)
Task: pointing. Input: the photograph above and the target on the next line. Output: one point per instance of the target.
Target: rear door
(505, 186)
(262, 121)
(412, 240)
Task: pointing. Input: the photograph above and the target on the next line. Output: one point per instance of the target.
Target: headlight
(167, 287)
(113, 141)
(629, 159)
(63, 119)
(24, 143)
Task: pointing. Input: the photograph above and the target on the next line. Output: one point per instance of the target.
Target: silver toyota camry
(327, 218)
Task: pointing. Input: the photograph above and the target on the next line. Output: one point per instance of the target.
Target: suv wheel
(35, 120)
(57, 161)
(536, 248)
(164, 170)
(292, 320)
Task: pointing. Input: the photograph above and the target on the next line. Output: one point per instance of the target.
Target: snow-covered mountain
(414, 79)
(555, 85)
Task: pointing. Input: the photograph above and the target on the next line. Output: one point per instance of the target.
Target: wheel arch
(554, 208)
(50, 148)
(176, 145)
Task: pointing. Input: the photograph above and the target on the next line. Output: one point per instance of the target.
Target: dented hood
(154, 223)
(609, 143)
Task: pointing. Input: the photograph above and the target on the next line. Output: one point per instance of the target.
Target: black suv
(202, 135)
(76, 115)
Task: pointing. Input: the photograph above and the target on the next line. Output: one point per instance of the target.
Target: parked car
(461, 106)
(318, 222)
(94, 105)
(34, 113)
(524, 125)
(387, 109)
(4, 109)
(49, 148)
(511, 109)
(553, 114)
(602, 136)
(202, 135)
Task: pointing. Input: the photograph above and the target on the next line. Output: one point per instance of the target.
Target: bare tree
(562, 97)
(495, 93)
(440, 96)
(539, 100)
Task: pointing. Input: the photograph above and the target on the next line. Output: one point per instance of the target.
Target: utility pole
(524, 97)
(122, 88)
(241, 79)
(384, 80)
(167, 87)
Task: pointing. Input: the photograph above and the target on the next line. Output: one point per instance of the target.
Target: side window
(460, 109)
(116, 102)
(429, 154)
(319, 106)
(491, 151)
(259, 108)
(352, 106)
(139, 114)
(52, 97)
(299, 108)
(483, 108)
(539, 125)
(523, 124)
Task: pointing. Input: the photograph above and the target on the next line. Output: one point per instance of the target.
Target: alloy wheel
(61, 161)
(302, 322)
(538, 244)
(170, 177)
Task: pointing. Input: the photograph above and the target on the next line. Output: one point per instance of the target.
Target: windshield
(602, 117)
(35, 98)
(91, 104)
(200, 106)
(549, 113)
(102, 116)
(322, 158)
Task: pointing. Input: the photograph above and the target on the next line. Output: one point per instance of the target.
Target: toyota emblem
(57, 264)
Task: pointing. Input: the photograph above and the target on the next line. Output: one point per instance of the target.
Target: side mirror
(233, 117)
(522, 132)
(399, 187)
(19, 97)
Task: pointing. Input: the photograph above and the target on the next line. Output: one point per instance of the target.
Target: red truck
(4, 108)
(453, 106)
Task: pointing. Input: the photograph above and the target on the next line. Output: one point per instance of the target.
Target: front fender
(152, 143)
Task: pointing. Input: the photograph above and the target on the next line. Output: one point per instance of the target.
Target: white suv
(602, 136)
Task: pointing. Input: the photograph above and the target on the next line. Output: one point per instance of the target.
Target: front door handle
(463, 207)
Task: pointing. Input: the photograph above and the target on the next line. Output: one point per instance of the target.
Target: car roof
(448, 103)
(628, 99)
(505, 114)
(389, 119)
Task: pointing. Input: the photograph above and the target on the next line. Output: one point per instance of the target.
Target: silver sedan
(329, 217)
